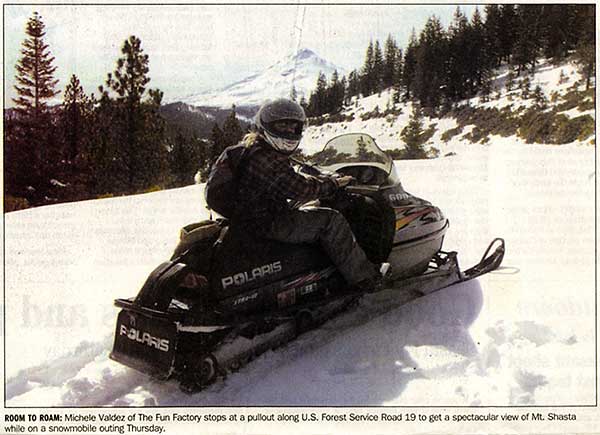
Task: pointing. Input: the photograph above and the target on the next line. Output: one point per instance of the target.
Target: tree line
(88, 146)
(439, 67)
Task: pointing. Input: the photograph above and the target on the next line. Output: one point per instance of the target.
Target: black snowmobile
(225, 297)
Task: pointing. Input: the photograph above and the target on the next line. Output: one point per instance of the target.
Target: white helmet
(281, 123)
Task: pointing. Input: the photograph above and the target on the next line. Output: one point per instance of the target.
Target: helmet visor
(286, 129)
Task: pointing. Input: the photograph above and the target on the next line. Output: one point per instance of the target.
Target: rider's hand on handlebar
(343, 181)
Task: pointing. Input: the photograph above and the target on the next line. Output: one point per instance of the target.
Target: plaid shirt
(267, 181)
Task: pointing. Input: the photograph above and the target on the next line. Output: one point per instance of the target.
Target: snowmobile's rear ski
(226, 297)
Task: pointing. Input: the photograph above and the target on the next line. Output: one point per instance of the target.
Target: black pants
(331, 231)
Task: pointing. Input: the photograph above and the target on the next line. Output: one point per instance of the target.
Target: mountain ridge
(299, 70)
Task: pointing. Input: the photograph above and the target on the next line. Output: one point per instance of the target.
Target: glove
(343, 181)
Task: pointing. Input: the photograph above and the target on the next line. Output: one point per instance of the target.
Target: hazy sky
(193, 48)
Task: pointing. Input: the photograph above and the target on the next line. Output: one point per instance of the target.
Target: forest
(117, 142)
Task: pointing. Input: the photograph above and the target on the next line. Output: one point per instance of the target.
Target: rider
(268, 181)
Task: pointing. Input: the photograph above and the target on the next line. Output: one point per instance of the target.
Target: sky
(196, 48)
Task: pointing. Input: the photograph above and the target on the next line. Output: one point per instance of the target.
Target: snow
(523, 335)
(516, 336)
(300, 70)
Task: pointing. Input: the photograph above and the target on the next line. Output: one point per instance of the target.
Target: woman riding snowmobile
(267, 183)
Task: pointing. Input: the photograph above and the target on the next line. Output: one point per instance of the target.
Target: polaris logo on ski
(133, 334)
(244, 277)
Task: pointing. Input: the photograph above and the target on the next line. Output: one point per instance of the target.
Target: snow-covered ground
(386, 130)
(521, 335)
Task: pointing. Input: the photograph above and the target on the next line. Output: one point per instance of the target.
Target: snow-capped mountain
(299, 70)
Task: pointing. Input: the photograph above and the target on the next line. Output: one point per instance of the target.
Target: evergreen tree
(558, 21)
(335, 94)
(318, 99)
(353, 84)
(76, 131)
(31, 149)
(585, 55)
(458, 82)
(412, 135)
(431, 65)
(143, 138)
(108, 175)
(187, 157)
(76, 112)
(367, 82)
(35, 72)
(539, 99)
(410, 65)
(232, 130)
(390, 62)
(397, 80)
(529, 37)
(507, 34)
(479, 70)
(378, 68)
(493, 34)
(217, 143)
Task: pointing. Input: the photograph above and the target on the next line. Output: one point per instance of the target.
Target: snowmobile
(226, 297)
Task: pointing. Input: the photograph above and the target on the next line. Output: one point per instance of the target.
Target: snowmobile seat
(242, 262)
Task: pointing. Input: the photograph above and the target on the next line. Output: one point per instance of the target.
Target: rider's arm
(286, 183)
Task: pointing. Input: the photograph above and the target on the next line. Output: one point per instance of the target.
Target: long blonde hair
(251, 138)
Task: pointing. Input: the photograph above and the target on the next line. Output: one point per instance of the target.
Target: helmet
(281, 123)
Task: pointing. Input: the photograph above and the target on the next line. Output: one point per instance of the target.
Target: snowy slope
(513, 337)
(300, 70)
(522, 335)
(386, 130)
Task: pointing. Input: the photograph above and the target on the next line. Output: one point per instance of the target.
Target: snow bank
(518, 336)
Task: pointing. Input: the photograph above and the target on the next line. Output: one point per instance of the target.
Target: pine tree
(410, 65)
(232, 130)
(539, 98)
(585, 55)
(35, 72)
(557, 23)
(76, 130)
(507, 34)
(353, 83)
(431, 66)
(378, 68)
(335, 93)
(367, 82)
(142, 150)
(397, 80)
(187, 157)
(492, 34)
(318, 99)
(479, 70)
(412, 135)
(76, 111)
(458, 82)
(32, 144)
(390, 67)
(529, 37)
(217, 143)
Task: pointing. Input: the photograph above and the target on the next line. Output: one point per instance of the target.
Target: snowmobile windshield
(352, 149)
